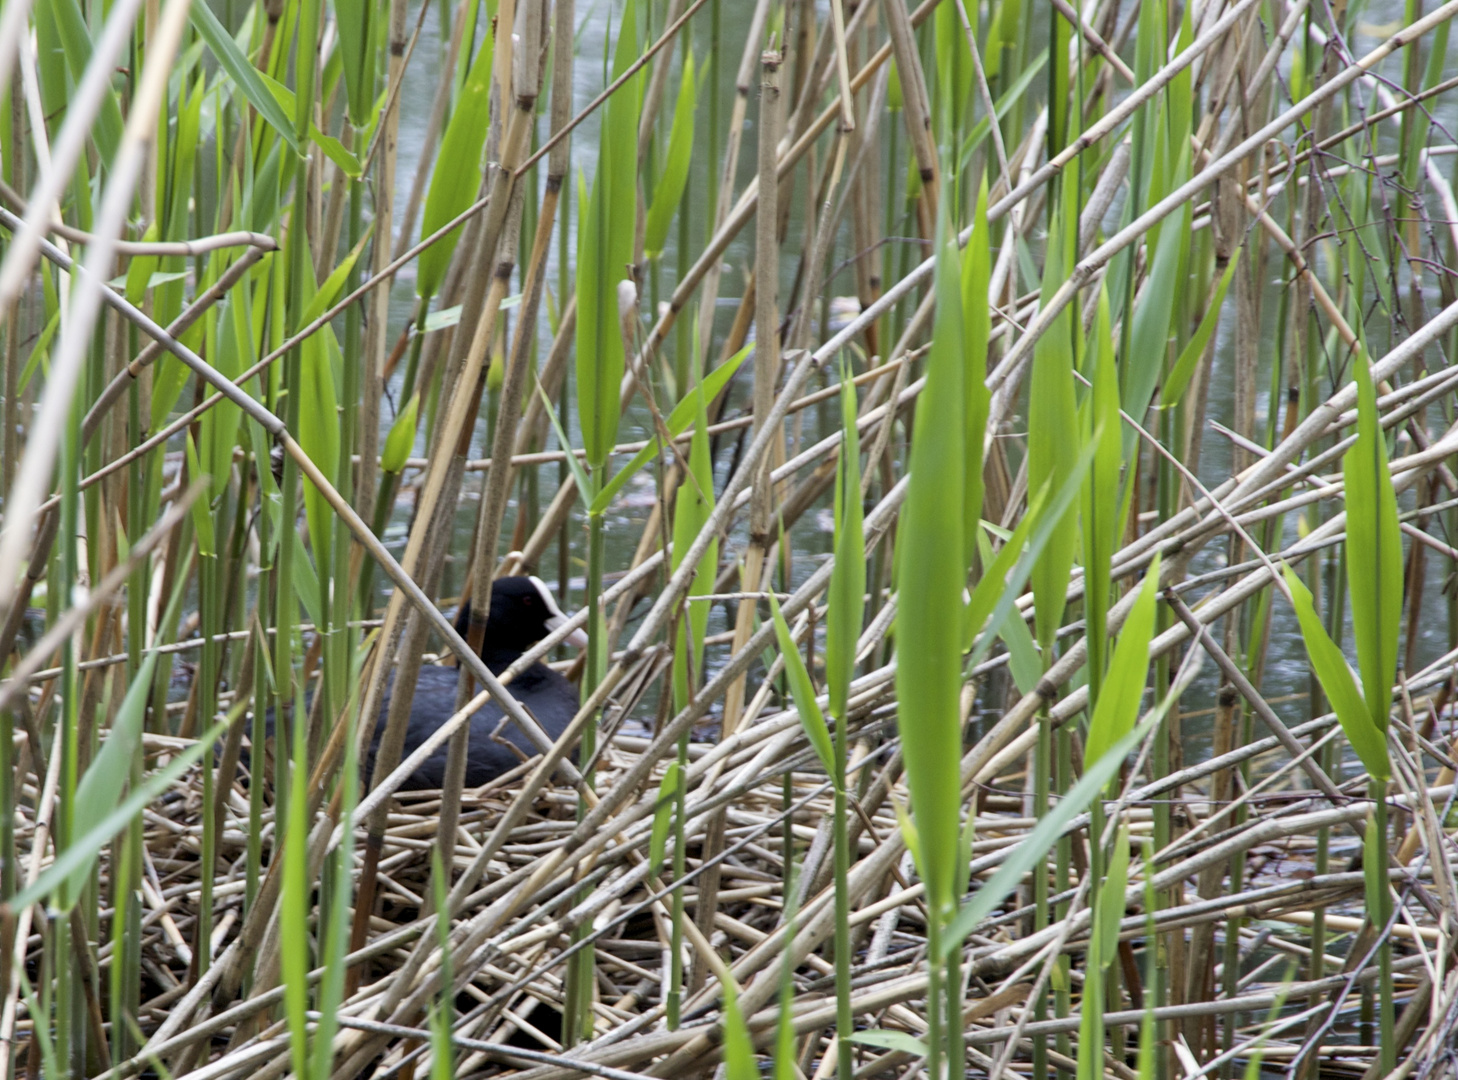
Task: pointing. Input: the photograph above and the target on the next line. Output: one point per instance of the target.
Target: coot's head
(523, 612)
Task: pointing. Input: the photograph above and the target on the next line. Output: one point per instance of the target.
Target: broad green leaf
(1336, 680)
(909, 835)
(1181, 93)
(101, 787)
(1053, 434)
(888, 1039)
(691, 509)
(319, 417)
(70, 24)
(442, 1052)
(1374, 552)
(671, 182)
(739, 1063)
(604, 251)
(1047, 523)
(1118, 704)
(1102, 947)
(1060, 36)
(1374, 874)
(846, 603)
(244, 75)
(1026, 855)
(977, 327)
(1022, 652)
(457, 176)
(79, 855)
(401, 439)
(954, 68)
(1184, 368)
(803, 691)
(296, 901)
(334, 284)
(354, 21)
(662, 817)
(677, 422)
(579, 475)
(1110, 907)
(319, 430)
(40, 352)
(306, 581)
(993, 583)
(1149, 335)
(333, 149)
(202, 518)
(1004, 104)
(932, 576)
(1101, 517)
(143, 268)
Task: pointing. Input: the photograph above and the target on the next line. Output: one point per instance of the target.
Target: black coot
(522, 613)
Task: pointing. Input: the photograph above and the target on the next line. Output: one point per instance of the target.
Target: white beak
(558, 618)
(577, 637)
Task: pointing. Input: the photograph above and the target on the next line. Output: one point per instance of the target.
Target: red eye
(527, 600)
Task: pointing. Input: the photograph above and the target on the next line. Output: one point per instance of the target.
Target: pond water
(1286, 672)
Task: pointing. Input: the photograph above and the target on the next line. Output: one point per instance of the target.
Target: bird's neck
(498, 660)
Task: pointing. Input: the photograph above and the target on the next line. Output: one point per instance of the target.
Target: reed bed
(1003, 455)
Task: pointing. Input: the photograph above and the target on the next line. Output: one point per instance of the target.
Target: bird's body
(495, 747)
(522, 613)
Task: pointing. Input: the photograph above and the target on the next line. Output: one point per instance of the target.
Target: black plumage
(523, 612)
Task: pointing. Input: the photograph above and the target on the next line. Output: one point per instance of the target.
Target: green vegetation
(1003, 454)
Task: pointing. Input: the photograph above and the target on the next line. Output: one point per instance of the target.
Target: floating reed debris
(1001, 455)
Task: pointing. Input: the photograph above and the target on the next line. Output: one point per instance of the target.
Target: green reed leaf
(1037, 843)
(70, 24)
(1149, 335)
(977, 326)
(401, 439)
(457, 176)
(691, 509)
(1101, 517)
(662, 817)
(202, 518)
(847, 597)
(803, 691)
(333, 149)
(81, 853)
(993, 583)
(1374, 552)
(890, 1039)
(1109, 910)
(244, 75)
(604, 251)
(739, 1063)
(579, 475)
(932, 575)
(355, 25)
(142, 268)
(100, 788)
(677, 422)
(1118, 704)
(1053, 432)
(1184, 368)
(674, 178)
(1331, 669)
